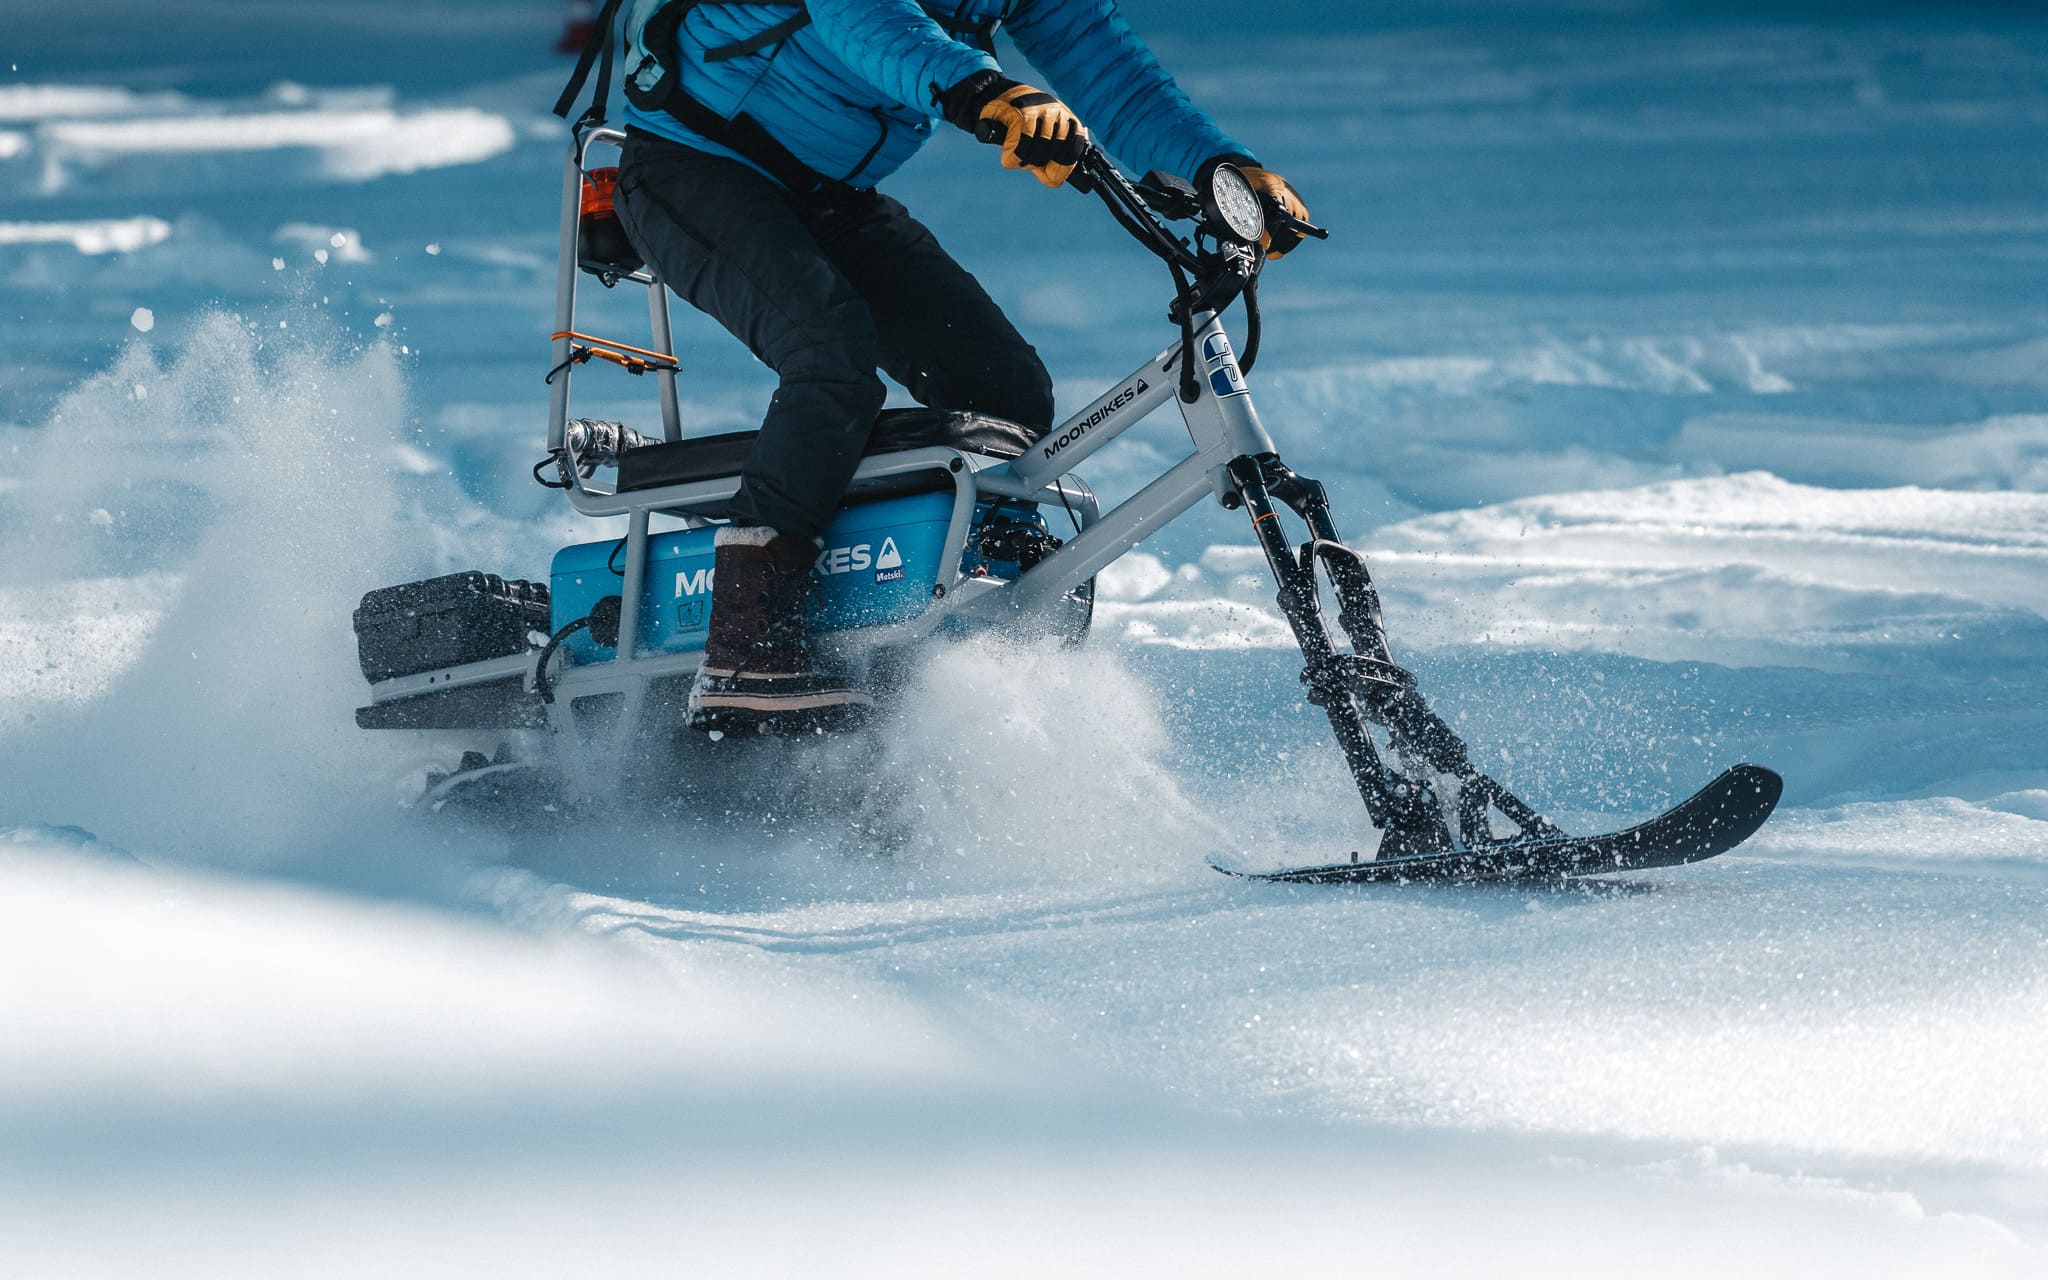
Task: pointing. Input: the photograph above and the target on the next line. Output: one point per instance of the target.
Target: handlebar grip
(988, 131)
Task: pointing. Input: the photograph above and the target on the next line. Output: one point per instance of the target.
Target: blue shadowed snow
(1683, 368)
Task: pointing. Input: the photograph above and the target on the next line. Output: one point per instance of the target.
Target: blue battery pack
(879, 565)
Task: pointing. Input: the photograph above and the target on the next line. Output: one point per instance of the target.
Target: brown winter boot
(757, 674)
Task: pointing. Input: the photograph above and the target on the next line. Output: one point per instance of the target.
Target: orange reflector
(598, 185)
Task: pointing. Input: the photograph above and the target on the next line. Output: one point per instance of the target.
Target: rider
(756, 135)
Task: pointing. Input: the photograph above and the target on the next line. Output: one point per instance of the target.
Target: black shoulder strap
(599, 44)
(760, 40)
(745, 135)
(980, 34)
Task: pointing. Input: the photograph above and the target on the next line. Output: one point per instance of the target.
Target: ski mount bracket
(1365, 689)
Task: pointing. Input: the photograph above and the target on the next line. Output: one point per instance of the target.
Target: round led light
(1234, 206)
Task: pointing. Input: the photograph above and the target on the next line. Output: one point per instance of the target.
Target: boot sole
(806, 713)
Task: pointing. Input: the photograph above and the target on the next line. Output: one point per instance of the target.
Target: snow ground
(1684, 373)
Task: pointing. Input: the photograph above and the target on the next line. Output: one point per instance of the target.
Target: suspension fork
(1404, 811)
(1367, 685)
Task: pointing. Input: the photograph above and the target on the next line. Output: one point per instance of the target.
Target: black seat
(716, 457)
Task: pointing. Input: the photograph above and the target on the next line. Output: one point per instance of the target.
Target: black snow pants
(824, 292)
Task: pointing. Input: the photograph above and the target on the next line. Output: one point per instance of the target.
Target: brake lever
(1288, 222)
(1084, 178)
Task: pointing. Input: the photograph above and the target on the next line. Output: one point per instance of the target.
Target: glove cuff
(963, 102)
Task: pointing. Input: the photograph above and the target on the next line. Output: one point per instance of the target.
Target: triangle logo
(888, 557)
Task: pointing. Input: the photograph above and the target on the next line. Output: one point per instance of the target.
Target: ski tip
(1768, 783)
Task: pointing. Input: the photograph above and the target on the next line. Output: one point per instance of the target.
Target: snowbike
(945, 530)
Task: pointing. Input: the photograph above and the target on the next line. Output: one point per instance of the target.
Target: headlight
(1233, 206)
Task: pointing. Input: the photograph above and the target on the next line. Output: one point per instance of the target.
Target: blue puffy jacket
(852, 94)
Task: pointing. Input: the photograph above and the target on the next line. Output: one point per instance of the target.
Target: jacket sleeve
(896, 47)
(1099, 67)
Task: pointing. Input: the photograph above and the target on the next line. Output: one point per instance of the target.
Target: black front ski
(1440, 817)
(1718, 817)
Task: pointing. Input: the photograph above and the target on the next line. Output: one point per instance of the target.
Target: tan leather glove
(1036, 130)
(1278, 193)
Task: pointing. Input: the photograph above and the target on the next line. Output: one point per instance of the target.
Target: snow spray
(189, 532)
(1038, 763)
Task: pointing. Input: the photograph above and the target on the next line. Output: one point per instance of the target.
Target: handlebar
(1094, 173)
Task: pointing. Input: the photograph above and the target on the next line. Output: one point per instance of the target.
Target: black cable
(1071, 517)
(556, 459)
(1190, 389)
(611, 561)
(1142, 229)
(1252, 326)
(542, 683)
(577, 355)
(1130, 210)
